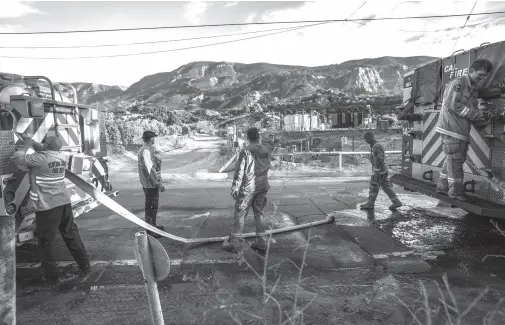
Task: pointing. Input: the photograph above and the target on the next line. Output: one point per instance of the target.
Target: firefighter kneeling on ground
(49, 197)
(460, 109)
(379, 176)
(249, 188)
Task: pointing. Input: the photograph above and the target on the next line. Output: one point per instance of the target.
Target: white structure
(301, 122)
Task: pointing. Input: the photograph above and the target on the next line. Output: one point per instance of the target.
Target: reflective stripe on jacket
(378, 159)
(149, 166)
(47, 177)
(459, 109)
(251, 173)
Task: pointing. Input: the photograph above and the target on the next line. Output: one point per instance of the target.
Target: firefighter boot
(232, 244)
(396, 204)
(442, 186)
(368, 205)
(260, 244)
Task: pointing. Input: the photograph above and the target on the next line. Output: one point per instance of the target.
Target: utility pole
(310, 130)
(303, 120)
(7, 271)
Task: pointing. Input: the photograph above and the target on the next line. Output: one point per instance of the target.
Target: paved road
(350, 255)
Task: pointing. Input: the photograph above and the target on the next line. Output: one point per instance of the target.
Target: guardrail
(332, 153)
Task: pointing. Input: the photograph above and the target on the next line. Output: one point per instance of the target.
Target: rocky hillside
(90, 93)
(225, 86)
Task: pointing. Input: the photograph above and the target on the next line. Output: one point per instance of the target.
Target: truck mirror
(6, 121)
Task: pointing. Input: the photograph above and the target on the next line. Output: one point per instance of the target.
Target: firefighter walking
(379, 178)
(149, 167)
(51, 201)
(249, 189)
(460, 109)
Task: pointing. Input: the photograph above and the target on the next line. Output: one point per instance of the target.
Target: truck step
(478, 206)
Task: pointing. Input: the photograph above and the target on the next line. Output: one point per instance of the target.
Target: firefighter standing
(379, 176)
(49, 196)
(149, 166)
(460, 109)
(249, 188)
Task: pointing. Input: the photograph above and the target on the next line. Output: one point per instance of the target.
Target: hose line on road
(117, 208)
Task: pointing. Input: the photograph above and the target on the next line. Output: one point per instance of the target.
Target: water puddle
(422, 225)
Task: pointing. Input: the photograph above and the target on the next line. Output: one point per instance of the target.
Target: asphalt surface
(343, 262)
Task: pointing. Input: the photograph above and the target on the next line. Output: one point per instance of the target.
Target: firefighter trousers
(378, 182)
(151, 206)
(48, 223)
(243, 203)
(451, 176)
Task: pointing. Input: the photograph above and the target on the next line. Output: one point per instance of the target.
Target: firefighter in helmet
(460, 109)
(49, 197)
(379, 176)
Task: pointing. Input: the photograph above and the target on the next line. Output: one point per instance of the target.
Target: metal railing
(291, 154)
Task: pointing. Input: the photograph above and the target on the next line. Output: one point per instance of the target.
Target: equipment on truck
(422, 156)
(36, 106)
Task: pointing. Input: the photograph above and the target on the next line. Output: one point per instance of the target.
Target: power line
(162, 51)
(227, 35)
(437, 30)
(253, 23)
(464, 25)
(355, 11)
(143, 43)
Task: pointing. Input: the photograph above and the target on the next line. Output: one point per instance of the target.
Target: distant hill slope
(225, 86)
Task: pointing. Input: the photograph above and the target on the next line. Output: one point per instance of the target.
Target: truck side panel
(422, 147)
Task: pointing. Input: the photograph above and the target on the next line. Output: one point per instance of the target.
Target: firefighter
(379, 176)
(49, 197)
(460, 109)
(249, 188)
(149, 165)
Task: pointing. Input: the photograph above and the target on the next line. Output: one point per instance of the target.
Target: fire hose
(116, 207)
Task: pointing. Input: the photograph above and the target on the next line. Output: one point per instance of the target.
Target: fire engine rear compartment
(78, 125)
(422, 156)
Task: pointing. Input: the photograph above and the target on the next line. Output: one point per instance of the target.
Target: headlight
(9, 196)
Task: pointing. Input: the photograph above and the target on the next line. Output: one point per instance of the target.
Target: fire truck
(422, 156)
(35, 105)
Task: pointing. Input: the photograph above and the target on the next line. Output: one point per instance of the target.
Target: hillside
(227, 86)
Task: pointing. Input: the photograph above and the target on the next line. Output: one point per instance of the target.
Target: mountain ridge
(227, 86)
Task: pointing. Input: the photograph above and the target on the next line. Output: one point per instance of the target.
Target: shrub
(112, 131)
(205, 126)
(133, 130)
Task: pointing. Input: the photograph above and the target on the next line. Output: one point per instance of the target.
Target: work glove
(483, 105)
(375, 177)
(489, 114)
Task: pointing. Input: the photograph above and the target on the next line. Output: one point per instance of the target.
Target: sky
(323, 44)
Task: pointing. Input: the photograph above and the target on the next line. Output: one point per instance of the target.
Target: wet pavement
(342, 263)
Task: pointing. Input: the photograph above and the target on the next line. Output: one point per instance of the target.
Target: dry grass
(225, 302)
